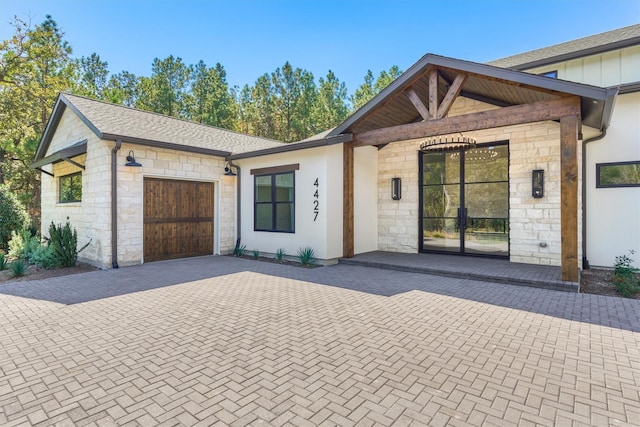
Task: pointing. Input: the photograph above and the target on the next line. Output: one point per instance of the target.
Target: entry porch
(473, 268)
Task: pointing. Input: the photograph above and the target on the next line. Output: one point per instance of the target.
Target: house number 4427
(316, 202)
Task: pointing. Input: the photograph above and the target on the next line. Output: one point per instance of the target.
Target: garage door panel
(178, 219)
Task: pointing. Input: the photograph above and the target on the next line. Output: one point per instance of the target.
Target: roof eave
(582, 90)
(338, 139)
(59, 108)
(71, 151)
(621, 44)
(166, 145)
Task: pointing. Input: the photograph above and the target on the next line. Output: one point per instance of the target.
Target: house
(526, 158)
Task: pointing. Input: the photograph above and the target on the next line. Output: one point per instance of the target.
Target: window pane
(263, 188)
(70, 188)
(76, 187)
(264, 216)
(284, 187)
(623, 174)
(284, 217)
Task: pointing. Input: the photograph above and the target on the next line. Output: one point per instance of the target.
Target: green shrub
(625, 276)
(18, 268)
(256, 254)
(22, 244)
(280, 255)
(3, 262)
(44, 256)
(64, 243)
(13, 216)
(239, 251)
(306, 256)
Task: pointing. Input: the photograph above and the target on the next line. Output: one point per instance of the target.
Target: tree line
(36, 63)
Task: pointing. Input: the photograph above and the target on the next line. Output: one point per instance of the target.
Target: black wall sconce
(537, 183)
(228, 171)
(396, 188)
(131, 160)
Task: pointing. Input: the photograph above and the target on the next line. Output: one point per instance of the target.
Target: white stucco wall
(613, 214)
(365, 199)
(532, 221)
(324, 235)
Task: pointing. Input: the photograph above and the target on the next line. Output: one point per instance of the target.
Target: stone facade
(534, 233)
(92, 216)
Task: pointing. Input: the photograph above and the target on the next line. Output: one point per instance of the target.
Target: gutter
(238, 194)
(585, 261)
(114, 204)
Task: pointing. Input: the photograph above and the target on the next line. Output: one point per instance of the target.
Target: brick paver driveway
(263, 344)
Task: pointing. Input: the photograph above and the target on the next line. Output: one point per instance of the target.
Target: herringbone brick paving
(248, 348)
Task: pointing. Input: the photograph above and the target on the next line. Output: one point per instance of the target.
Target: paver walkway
(263, 344)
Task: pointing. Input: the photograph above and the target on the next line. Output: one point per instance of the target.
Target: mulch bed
(37, 273)
(275, 261)
(599, 282)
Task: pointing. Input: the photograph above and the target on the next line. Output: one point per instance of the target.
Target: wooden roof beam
(417, 102)
(507, 116)
(433, 92)
(452, 94)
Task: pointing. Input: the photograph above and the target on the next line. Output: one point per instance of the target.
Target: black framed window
(70, 188)
(551, 74)
(619, 174)
(274, 196)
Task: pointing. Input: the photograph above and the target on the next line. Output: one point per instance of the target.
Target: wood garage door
(178, 219)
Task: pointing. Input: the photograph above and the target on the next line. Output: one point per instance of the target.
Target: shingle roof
(111, 120)
(598, 43)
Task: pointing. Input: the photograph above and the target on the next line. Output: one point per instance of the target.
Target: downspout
(114, 204)
(585, 261)
(238, 193)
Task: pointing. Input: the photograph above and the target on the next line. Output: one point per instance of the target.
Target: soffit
(493, 85)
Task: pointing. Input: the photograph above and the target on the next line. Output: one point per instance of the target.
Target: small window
(70, 188)
(274, 202)
(621, 174)
(551, 74)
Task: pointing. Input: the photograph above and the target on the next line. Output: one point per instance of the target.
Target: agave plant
(306, 256)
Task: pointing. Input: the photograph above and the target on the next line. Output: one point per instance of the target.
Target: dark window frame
(599, 167)
(551, 74)
(71, 179)
(273, 202)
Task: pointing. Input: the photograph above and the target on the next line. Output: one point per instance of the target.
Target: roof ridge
(111, 104)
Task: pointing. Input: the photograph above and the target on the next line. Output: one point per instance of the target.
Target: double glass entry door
(465, 201)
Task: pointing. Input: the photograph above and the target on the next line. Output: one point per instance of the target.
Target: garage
(178, 219)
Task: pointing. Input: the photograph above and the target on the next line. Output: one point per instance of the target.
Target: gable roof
(111, 122)
(486, 83)
(592, 45)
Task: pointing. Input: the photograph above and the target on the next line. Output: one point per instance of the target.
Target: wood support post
(347, 198)
(569, 197)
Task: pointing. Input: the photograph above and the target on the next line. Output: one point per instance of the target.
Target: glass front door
(465, 201)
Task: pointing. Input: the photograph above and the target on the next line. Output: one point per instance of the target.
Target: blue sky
(252, 37)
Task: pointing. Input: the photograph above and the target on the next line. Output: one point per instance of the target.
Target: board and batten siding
(605, 69)
(613, 214)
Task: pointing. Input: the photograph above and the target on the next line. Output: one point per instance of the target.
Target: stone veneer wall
(92, 216)
(169, 164)
(532, 221)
